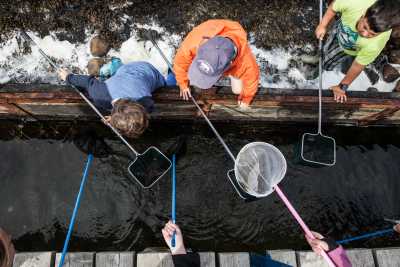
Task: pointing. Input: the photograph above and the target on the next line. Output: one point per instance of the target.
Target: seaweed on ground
(273, 22)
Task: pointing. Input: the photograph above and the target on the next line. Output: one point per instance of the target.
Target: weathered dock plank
(310, 259)
(33, 259)
(149, 259)
(51, 102)
(115, 259)
(361, 257)
(76, 259)
(164, 259)
(234, 259)
(283, 257)
(207, 259)
(387, 257)
(358, 258)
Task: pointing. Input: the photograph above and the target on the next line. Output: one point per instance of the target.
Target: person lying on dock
(362, 32)
(335, 252)
(180, 256)
(127, 94)
(214, 49)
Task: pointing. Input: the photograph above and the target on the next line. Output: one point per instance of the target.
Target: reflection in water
(40, 179)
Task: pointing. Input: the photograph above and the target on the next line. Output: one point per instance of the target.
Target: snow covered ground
(19, 64)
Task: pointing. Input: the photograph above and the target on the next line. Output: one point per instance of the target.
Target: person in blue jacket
(127, 94)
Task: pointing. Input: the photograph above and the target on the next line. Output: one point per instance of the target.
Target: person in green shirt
(362, 32)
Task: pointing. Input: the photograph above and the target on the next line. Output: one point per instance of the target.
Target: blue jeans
(170, 79)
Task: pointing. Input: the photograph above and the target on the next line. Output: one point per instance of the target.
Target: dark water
(40, 174)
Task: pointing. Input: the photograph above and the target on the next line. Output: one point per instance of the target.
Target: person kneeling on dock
(180, 256)
(360, 36)
(128, 94)
(214, 49)
(335, 252)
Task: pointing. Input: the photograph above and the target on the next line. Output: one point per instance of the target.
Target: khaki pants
(236, 84)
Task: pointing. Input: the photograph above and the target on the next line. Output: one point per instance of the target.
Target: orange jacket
(243, 67)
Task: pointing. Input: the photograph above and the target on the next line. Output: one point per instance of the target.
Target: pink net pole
(301, 222)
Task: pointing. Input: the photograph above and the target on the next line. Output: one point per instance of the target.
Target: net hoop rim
(333, 163)
(159, 177)
(280, 155)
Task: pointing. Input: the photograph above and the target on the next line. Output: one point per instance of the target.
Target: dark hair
(129, 117)
(383, 15)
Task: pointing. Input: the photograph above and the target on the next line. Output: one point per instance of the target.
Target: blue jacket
(136, 81)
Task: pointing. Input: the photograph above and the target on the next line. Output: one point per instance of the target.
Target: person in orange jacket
(214, 49)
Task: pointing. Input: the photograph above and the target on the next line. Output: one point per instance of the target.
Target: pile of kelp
(274, 22)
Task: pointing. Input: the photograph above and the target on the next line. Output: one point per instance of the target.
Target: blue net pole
(74, 213)
(364, 236)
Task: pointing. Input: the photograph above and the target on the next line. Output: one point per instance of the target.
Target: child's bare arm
(355, 70)
(326, 19)
(62, 74)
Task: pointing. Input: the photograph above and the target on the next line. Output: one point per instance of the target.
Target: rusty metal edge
(15, 94)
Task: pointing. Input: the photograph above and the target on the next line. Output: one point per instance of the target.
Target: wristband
(332, 245)
(344, 87)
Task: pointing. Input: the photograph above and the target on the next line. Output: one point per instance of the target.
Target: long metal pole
(173, 204)
(214, 130)
(195, 102)
(28, 38)
(321, 53)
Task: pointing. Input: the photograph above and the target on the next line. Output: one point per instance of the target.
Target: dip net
(259, 167)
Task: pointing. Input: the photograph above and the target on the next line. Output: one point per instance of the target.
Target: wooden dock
(52, 102)
(387, 257)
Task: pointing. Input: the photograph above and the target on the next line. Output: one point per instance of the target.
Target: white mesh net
(259, 167)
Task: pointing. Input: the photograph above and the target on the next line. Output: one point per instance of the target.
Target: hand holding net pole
(302, 224)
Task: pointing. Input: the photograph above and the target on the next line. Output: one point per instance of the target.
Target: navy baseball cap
(212, 59)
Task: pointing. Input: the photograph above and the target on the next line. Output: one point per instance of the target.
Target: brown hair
(94, 66)
(129, 117)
